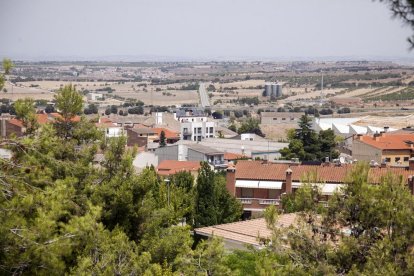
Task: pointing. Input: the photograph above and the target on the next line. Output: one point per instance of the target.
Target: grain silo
(268, 89)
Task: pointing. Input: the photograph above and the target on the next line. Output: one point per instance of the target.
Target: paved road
(204, 99)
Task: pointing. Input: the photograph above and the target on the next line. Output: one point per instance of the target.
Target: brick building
(258, 184)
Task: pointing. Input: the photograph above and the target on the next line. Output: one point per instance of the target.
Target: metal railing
(261, 201)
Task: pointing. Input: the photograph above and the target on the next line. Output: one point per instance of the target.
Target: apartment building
(194, 124)
(392, 149)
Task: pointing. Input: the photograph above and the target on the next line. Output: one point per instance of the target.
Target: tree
(403, 9)
(251, 125)
(2, 81)
(213, 203)
(69, 102)
(26, 112)
(217, 115)
(49, 108)
(136, 110)
(7, 65)
(233, 127)
(308, 145)
(162, 139)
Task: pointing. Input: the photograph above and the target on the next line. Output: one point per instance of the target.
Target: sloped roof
(169, 134)
(58, 116)
(343, 129)
(354, 129)
(233, 156)
(204, 149)
(257, 170)
(41, 119)
(389, 141)
(169, 167)
(246, 232)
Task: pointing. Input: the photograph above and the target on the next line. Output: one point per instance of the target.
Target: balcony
(269, 201)
(259, 201)
(246, 200)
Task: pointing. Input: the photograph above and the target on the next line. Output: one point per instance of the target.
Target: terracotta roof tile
(233, 156)
(246, 232)
(169, 167)
(169, 134)
(389, 141)
(257, 170)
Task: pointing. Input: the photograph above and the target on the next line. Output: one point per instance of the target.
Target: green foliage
(162, 139)
(2, 81)
(26, 112)
(7, 65)
(69, 102)
(306, 144)
(251, 125)
(213, 203)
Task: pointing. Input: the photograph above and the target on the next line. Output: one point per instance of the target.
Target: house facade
(258, 184)
(388, 148)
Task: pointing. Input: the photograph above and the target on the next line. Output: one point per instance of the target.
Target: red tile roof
(257, 170)
(169, 167)
(389, 141)
(233, 156)
(246, 232)
(58, 116)
(41, 119)
(169, 134)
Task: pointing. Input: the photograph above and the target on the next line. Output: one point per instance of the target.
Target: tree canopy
(307, 145)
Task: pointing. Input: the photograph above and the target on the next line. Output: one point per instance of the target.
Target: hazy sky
(200, 28)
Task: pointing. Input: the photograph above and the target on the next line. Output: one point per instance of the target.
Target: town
(255, 165)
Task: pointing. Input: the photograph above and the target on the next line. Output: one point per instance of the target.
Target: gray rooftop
(204, 149)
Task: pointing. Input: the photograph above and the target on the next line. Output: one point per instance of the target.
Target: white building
(94, 96)
(194, 125)
(110, 129)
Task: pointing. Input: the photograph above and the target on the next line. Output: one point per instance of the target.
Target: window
(292, 119)
(185, 129)
(199, 130)
(406, 159)
(195, 130)
(273, 194)
(387, 160)
(211, 130)
(195, 138)
(397, 159)
(211, 136)
(283, 119)
(274, 119)
(199, 138)
(206, 129)
(246, 193)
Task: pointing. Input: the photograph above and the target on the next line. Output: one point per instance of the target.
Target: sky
(200, 29)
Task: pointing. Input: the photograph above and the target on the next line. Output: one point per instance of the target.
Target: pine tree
(162, 139)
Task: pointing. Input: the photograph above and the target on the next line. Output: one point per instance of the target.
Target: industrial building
(273, 90)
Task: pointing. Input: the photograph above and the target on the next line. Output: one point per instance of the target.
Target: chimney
(411, 163)
(411, 184)
(231, 180)
(3, 127)
(288, 187)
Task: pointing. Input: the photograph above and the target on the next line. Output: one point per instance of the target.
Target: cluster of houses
(255, 175)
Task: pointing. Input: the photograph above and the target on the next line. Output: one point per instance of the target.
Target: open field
(16, 92)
